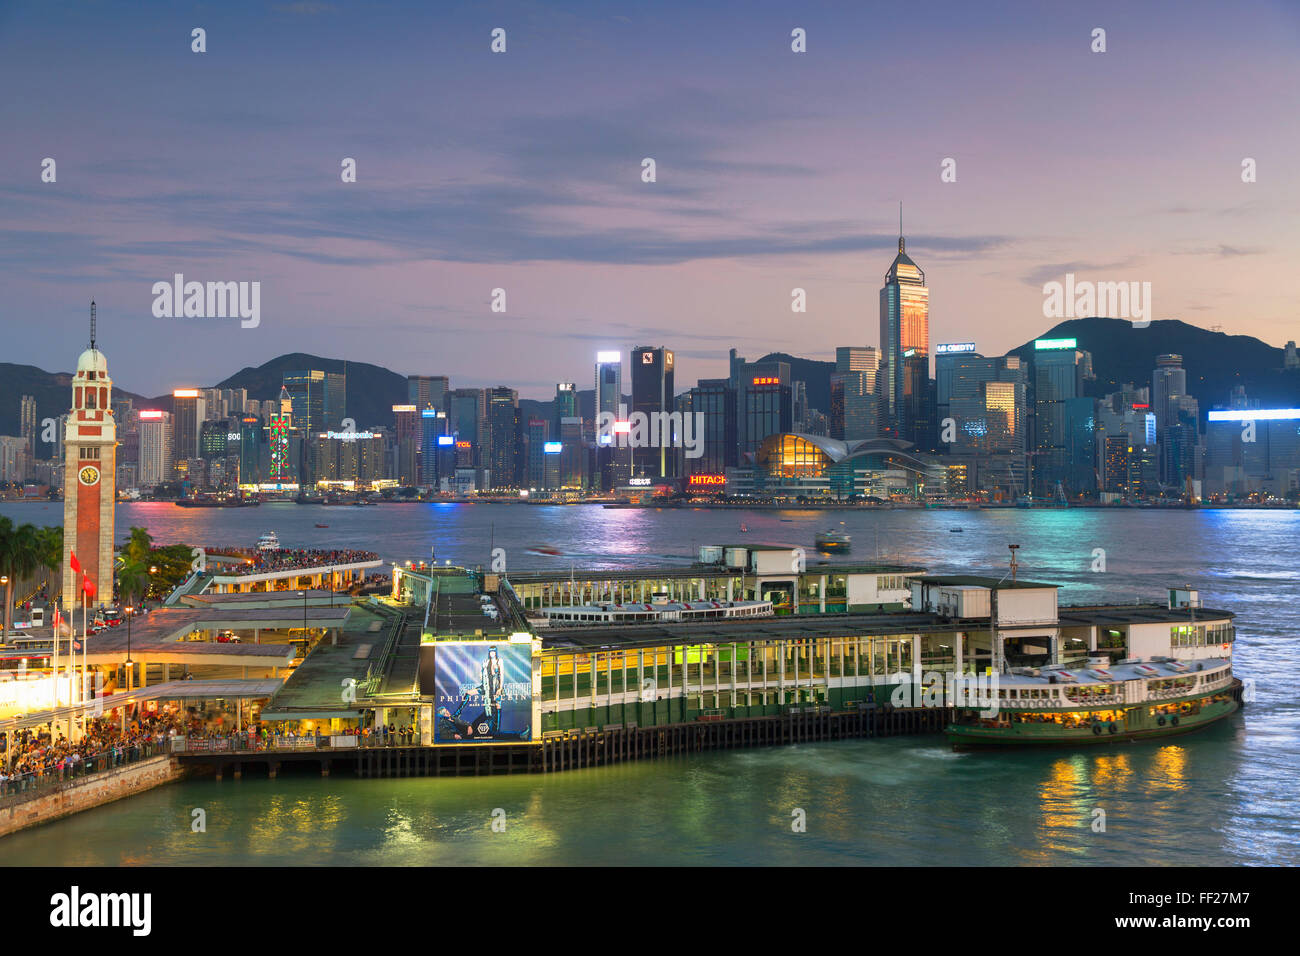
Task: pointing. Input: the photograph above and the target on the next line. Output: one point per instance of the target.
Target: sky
(522, 171)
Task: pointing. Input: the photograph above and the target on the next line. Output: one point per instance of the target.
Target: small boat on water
(322, 525)
(268, 542)
(956, 530)
(744, 528)
(834, 542)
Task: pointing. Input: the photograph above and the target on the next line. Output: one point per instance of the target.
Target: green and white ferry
(1109, 698)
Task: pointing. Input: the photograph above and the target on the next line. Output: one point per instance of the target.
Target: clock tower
(89, 478)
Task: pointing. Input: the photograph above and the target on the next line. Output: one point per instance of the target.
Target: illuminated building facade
(904, 328)
(808, 466)
(155, 461)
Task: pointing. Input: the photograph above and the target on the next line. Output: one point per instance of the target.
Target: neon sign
(698, 480)
(766, 380)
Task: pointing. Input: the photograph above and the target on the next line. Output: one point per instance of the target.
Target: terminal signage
(953, 347)
(703, 480)
(483, 692)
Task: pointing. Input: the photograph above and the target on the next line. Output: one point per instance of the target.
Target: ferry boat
(1133, 700)
(1185, 683)
(268, 542)
(833, 542)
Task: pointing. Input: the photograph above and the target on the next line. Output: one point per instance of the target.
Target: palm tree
(139, 546)
(132, 580)
(50, 541)
(19, 558)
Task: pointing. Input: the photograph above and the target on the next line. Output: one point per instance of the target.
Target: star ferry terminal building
(466, 669)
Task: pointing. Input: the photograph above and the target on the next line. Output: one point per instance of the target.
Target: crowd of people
(289, 559)
(39, 754)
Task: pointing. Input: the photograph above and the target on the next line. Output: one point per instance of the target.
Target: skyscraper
(1061, 409)
(155, 447)
(904, 346)
(652, 396)
(27, 423)
(406, 436)
(319, 399)
(715, 400)
(566, 405)
(280, 433)
(466, 411)
(427, 391)
(609, 382)
(501, 437)
(613, 463)
(188, 412)
(764, 402)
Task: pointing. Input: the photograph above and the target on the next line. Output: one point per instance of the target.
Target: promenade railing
(20, 786)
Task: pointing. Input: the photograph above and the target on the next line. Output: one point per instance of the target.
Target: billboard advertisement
(483, 692)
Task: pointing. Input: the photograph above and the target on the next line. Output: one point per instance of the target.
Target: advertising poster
(483, 692)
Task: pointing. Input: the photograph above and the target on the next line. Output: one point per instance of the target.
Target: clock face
(89, 475)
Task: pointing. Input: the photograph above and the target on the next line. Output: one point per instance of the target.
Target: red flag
(76, 565)
(88, 586)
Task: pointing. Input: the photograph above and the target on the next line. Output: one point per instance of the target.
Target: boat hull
(1138, 724)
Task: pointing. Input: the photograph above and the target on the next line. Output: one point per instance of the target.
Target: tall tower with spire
(89, 478)
(903, 378)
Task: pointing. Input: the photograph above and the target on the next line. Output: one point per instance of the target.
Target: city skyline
(518, 175)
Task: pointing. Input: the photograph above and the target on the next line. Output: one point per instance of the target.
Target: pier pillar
(275, 768)
(239, 771)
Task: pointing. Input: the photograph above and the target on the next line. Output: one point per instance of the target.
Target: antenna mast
(92, 325)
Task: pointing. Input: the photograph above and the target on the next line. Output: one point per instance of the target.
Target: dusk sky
(522, 171)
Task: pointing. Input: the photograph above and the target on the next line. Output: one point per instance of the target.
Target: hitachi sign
(707, 480)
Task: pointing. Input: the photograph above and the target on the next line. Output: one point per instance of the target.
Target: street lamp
(4, 614)
(130, 665)
(304, 623)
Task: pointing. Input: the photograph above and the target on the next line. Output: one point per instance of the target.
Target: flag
(76, 645)
(88, 586)
(76, 565)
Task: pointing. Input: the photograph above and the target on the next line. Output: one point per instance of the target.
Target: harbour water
(1222, 796)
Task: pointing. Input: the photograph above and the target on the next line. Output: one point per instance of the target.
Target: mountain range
(1121, 354)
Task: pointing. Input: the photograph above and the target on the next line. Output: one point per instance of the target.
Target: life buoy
(1096, 729)
(1161, 720)
(1114, 727)
(1174, 720)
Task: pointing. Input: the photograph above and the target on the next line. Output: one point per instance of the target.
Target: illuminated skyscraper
(283, 470)
(652, 395)
(904, 346)
(188, 412)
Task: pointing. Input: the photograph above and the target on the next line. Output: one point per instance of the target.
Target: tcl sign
(697, 480)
